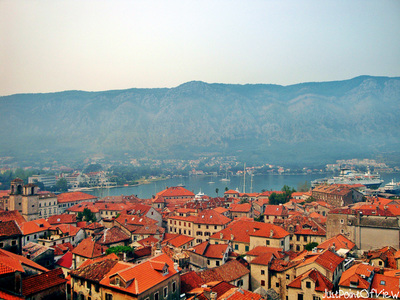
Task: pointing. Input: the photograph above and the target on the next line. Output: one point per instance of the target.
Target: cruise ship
(347, 176)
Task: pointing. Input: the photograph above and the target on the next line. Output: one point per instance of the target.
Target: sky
(50, 46)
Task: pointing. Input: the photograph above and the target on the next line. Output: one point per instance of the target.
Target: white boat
(392, 187)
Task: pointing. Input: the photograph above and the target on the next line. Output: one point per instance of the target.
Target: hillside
(308, 122)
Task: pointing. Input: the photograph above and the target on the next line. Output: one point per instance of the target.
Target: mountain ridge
(306, 121)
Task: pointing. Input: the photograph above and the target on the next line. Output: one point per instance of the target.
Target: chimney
(271, 233)
(232, 236)
(221, 235)
(213, 296)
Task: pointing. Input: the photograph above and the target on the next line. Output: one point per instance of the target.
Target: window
(117, 281)
(198, 226)
(215, 227)
(236, 247)
(267, 242)
(277, 284)
(341, 221)
(109, 296)
(165, 292)
(262, 282)
(383, 282)
(13, 243)
(298, 238)
(239, 283)
(262, 272)
(88, 285)
(156, 296)
(308, 284)
(287, 276)
(246, 248)
(208, 262)
(174, 287)
(217, 263)
(1, 245)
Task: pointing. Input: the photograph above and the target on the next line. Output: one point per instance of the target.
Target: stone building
(24, 198)
(367, 228)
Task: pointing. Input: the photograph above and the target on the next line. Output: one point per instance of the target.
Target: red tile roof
(151, 240)
(62, 219)
(74, 196)
(210, 250)
(240, 231)
(112, 236)
(9, 229)
(357, 275)
(211, 217)
(275, 210)
(189, 281)
(34, 226)
(65, 261)
(41, 282)
(263, 259)
(94, 270)
(176, 191)
(228, 272)
(326, 259)
(6, 295)
(178, 240)
(89, 249)
(339, 241)
(10, 262)
(259, 250)
(245, 207)
(12, 215)
(382, 283)
(240, 294)
(146, 274)
(69, 229)
(322, 283)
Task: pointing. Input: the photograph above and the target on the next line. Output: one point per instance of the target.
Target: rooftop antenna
(251, 182)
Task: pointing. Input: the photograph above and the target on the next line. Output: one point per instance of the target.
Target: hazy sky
(100, 45)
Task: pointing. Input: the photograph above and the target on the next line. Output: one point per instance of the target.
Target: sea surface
(208, 184)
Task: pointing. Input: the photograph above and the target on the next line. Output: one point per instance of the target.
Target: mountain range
(308, 122)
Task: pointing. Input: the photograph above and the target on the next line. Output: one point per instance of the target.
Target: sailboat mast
(244, 178)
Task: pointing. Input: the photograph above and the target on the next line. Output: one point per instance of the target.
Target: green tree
(62, 185)
(310, 246)
(119, 249)
(226, 189)
(87, 215)
(92, 168)
(217, 190)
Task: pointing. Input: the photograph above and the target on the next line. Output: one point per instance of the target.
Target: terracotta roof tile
(239, 294)
(95, 271)
(189, 281)
(382, 283)
(322, 283)
(41, 282)
(176, 191)
(74, 196)
(89, 249)
(113, 235)
(62, 219)
(210, 250)
(275, 210)
(179, 240)
(9, 228)
(146, 274)
(340, 242)
(245, 207)
(10, 261)
(240, 231)
(326, 259)
(65, 261)
(228, 272)
(12, 215)
(35, 226)
(357, 275)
